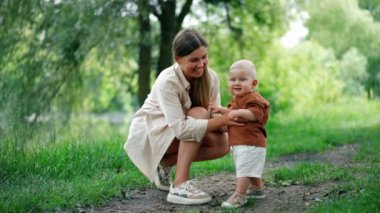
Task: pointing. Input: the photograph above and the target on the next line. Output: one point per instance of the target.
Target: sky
(295, 35)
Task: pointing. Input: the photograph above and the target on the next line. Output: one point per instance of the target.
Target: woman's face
(194, 64)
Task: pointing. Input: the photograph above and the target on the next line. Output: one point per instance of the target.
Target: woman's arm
(225, 120)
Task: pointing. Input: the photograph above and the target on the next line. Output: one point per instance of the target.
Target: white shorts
(249, 160)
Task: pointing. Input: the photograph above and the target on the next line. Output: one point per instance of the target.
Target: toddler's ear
(254, 83)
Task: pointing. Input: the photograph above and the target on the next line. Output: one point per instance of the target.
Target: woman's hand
(235, 115)
(232, 119)
(215, 123)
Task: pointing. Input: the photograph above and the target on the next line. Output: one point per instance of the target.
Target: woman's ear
(176, 58)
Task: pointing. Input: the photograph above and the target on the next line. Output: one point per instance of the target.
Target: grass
(76, 170)
(85, 166)
(322, 127)
(360, 190)
(308, 174)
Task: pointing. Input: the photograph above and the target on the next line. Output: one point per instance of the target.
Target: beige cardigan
(162, 118)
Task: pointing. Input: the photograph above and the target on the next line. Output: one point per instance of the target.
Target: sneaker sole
(186, 201)
(162, 187)
(257, 197)
(230, 206)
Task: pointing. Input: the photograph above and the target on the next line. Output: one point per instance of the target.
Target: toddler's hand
(213, 107)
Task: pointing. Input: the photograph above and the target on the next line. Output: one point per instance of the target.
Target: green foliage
(373, 6)
(252, 28)
(299, 78)
(331, 22)
(46, 45)
(353, 73)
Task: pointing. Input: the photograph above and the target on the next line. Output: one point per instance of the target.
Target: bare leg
(257, 183)
(183, 153)
(186, 154)
(214, 145)
(242, 185)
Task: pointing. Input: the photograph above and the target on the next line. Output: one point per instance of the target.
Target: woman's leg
(183, 153)
(214, 145)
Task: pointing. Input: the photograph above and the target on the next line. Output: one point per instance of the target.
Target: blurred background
(64, 59)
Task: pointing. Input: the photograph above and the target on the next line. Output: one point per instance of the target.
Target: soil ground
(279, 197)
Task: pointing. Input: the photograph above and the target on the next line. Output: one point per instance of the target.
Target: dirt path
(284, 198)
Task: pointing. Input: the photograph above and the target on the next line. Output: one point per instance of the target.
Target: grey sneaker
(235, 201)
(162, 178)
(188, 193)
(254, 193)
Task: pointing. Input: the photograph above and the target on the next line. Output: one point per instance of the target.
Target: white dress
(162, 118)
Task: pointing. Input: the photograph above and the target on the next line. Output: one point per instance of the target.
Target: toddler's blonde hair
(246, 65)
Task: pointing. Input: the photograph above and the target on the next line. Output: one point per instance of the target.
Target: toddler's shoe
(235, 201)
(254, 193)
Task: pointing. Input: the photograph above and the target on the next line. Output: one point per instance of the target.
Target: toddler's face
(240, 81)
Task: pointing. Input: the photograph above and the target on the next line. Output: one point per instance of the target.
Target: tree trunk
(168, 24)
(145, 51)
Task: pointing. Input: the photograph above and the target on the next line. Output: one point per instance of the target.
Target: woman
(173, 127)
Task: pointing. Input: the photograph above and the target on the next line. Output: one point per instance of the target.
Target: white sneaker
(162, 178)
(235, 201)
(188, 193)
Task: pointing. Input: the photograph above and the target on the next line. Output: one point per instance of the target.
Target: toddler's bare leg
(257, 183)
(242, 185)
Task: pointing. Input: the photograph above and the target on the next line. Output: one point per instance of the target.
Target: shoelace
(192, 185)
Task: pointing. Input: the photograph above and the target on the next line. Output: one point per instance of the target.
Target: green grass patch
(323, 127)
(353, 199)
(361, 191)
(81, 170)
(308, 174)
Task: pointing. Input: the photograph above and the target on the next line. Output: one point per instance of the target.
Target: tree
(353, 73)
(373, 7)
(44, 45)
(170, 24)
(299, 78)
(145, 50)
(342, 25)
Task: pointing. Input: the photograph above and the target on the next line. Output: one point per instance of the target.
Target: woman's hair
(184, 43)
